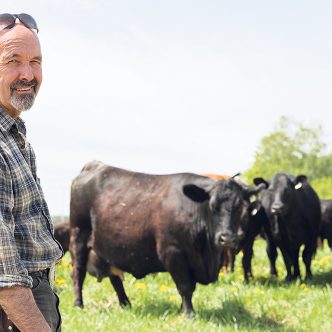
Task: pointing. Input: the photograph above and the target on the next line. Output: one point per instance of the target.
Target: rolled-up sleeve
(12, 271)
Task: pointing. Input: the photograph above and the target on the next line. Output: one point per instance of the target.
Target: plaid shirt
(27, 243)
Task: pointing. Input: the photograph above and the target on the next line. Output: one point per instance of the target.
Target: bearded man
(28, 249)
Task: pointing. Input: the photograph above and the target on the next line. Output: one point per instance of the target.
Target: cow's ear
(195, 193)
(258, 181)
(250, 191)
(299, 180)
(254, 207)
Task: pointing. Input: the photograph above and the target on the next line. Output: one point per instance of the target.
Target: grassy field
(228, 305)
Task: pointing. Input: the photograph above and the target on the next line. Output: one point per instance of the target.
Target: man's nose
(26, 72)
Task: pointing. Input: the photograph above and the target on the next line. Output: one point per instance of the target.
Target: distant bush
(323, 187)
(295, 149)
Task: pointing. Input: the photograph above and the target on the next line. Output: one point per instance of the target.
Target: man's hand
(21, 309)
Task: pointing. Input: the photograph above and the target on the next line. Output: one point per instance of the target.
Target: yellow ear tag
(254, 212)
(298, 186)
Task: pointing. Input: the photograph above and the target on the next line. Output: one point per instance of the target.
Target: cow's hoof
(190, 315)
(289, 279)
(79, 304)
(125, 304)
(296, 277)
(308, 277)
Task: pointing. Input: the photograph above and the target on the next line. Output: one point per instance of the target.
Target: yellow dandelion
(60, 281)
(324, 260)
(172, 298)
(240, 278)
(163, 288)
(303, 286)
(257, 290)
(65, 264)
(140, 285)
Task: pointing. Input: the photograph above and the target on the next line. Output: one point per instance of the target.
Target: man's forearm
(21, 308)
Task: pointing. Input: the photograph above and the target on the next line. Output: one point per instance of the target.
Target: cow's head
(281, 192)
(228, 202)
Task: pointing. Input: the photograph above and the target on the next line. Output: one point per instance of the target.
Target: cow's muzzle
(229, 241)
(277, 208)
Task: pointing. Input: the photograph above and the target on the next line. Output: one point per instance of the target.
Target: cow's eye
(228, 208)
(214, 206)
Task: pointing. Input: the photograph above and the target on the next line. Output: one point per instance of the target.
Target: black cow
(251, 225)
(255, 223)
(326, 228)
(141, 224)
(293, 209)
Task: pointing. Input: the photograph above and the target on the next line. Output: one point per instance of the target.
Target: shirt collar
(6, 122)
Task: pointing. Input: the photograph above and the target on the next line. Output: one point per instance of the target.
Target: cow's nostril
(227, 241)
(275, 208)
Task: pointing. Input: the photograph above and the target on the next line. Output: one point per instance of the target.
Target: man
(28, 250)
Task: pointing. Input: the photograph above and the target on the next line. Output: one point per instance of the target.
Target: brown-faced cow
(293, 209)
(141, 223)
(62, 233)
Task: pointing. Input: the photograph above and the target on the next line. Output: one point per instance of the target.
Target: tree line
(297, 149)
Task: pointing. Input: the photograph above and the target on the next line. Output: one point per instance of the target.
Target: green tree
(296, 149)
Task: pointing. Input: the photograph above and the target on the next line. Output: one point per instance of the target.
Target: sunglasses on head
(7, 21)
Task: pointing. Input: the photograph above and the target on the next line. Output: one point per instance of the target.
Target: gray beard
(23, 103)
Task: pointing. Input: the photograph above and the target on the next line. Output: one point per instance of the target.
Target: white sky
(174, 85)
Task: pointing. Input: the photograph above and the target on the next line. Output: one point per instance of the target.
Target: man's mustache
(23, 83)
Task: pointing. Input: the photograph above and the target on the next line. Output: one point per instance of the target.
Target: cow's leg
(288, 260)
(224, 261)
(329, 241)
(246, 259)
(186, 290)
(231, 257)
(79, 252)
(295, 256)
(120, 291)
(228, 259)
(176, 264)
(272, 253)
(308, 252)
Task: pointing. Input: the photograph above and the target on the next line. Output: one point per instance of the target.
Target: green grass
(266, 304)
